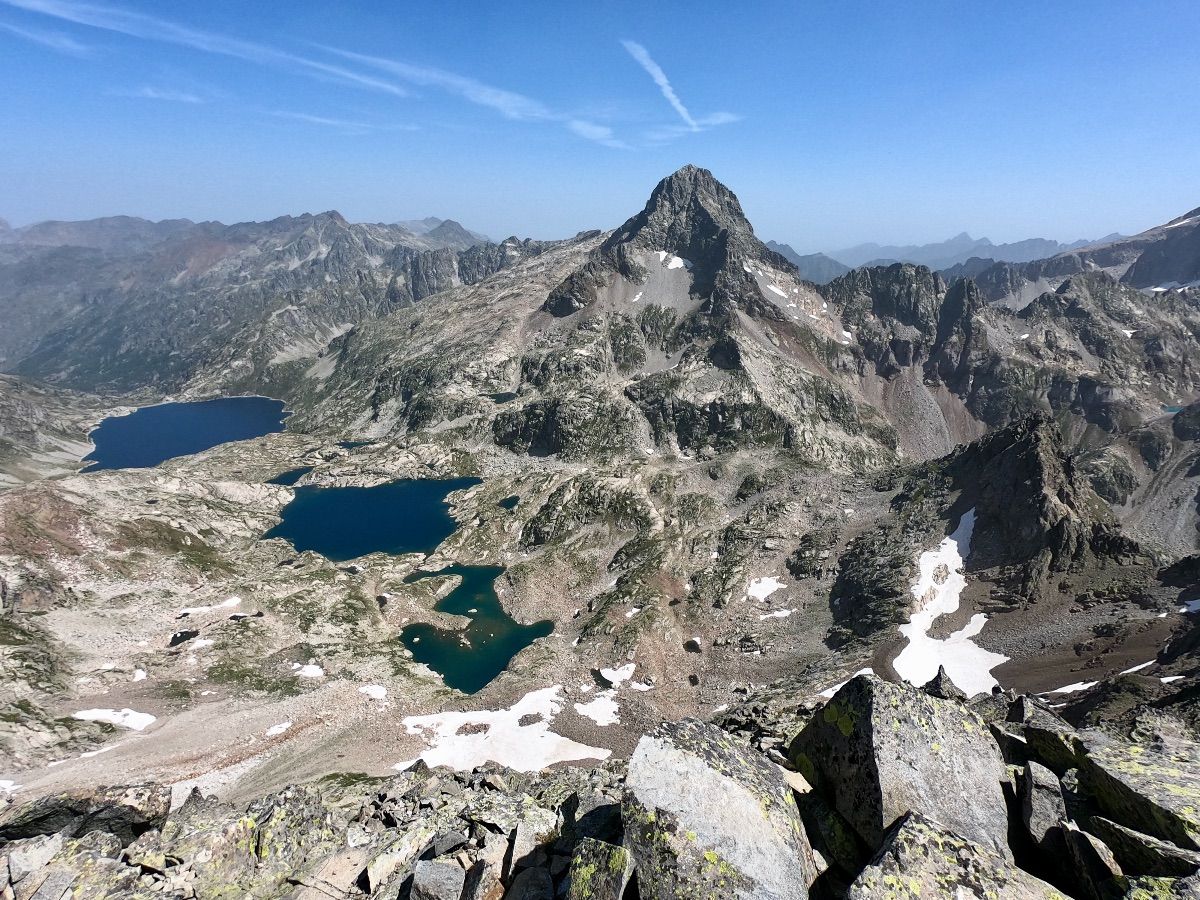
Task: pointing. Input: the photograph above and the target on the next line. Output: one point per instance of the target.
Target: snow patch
(1073, 688)
(616, 676)
(775, 290)
(464, 740)
(278, 729)
(1184, 222)
(1167, 679)
(139, 674)
(603, 710)
(829, 692)
(762, 588)
(226, 604)
(308, 671)
(778, 614)
(937, 591)
(123, 718)
(374, 691)
(1139, 667)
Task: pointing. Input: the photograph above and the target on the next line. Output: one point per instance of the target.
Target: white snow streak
(829, 692)
(1074, 688)
(526, 748)
(762, 588)
(937, 592)
(124, 718)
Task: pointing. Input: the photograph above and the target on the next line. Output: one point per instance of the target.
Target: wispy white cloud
(55, 40)
(654, 70)
(601, 134)
(509, 104)
(691, 124)
(344, 125)
(369, 72)
(139, 25)
(149, 92)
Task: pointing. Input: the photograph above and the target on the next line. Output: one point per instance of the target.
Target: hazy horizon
(835, 127)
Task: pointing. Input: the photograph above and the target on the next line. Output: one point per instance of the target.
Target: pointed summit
(690, 215)
(686, 213)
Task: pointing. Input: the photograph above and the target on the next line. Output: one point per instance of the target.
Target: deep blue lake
(341, 523)
(469, 658)
(153, 434)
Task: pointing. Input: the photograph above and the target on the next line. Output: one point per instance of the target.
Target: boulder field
(886, 792)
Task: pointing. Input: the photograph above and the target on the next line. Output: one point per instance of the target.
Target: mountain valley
(786, 509)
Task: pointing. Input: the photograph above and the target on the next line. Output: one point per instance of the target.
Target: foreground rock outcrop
(705, 817)
(879, 750)
(912, 796)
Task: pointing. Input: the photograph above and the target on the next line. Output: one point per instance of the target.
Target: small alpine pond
(469, 658)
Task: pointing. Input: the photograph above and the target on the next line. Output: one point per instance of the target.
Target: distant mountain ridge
(1163, 258)
(815, 267)
(141, 285)
(957, 249)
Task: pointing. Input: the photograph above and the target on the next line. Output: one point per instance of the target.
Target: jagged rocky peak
(687, 212)
(1032, 506)
(690, 215)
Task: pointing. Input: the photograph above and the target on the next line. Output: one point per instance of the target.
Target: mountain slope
(123, 286)
(635, 348)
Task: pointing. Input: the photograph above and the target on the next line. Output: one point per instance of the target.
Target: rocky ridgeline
(886, 792)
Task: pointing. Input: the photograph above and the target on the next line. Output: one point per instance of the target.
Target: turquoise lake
(411, 516)
(469, 658)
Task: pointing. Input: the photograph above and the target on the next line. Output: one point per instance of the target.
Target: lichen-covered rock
(437, 879)
(1141, 854)
(1154, 789)
(531, 884)
(599, 871)
(831, 835)
(1049, 739)
(1164, 889)
(880, 750)
(707, 818)
(919, 859)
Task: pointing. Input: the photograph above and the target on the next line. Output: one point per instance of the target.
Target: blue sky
(835, 122)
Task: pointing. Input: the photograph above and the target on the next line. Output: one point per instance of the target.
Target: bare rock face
(125, 812)
(1042, 806)
(879, 750)
(919, 858)
(707, 817)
